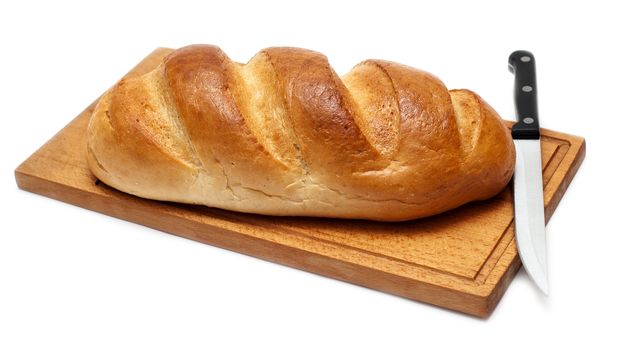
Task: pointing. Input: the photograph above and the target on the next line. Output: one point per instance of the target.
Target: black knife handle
(523, 65)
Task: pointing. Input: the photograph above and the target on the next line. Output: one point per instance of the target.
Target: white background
(75, 279)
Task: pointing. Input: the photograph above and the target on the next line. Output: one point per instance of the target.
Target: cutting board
(462, 260)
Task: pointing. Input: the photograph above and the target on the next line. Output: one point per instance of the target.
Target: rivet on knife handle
(523, 65)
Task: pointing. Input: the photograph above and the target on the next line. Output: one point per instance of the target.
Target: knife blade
(529, 221)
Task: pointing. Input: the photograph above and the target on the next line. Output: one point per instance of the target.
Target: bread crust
(285, 135)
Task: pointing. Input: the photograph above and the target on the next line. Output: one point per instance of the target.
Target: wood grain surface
(462, 260)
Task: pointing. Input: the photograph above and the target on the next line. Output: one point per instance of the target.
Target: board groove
(462, 260)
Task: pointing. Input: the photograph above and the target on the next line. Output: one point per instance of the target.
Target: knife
(528, 188)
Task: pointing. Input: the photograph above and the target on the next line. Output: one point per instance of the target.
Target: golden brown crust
(284, 135)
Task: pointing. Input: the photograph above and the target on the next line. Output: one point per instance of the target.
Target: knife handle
(523, 65)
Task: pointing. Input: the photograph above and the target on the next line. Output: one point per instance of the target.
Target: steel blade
(529, 211)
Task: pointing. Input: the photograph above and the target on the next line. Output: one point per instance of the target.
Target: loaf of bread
(284, 135)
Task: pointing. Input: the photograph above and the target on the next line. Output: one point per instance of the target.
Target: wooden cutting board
(462, 260)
